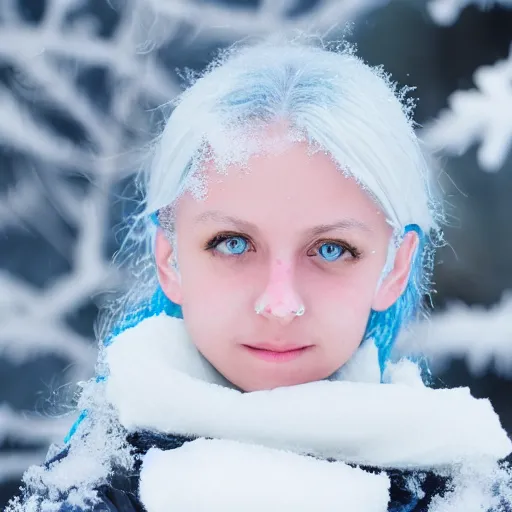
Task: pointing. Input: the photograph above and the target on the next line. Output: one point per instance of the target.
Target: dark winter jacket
(121, 494)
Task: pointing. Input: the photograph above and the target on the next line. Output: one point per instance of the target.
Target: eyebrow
(218, 216)
(344, 225)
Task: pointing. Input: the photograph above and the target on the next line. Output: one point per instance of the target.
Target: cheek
(213, 290)
(353, 286)
(342, 303)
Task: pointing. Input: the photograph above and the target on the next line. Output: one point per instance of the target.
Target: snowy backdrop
(79, 80)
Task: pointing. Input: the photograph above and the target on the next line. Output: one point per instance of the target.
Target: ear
(167, 275)
(395, 282)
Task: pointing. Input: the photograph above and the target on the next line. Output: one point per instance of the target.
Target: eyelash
(212, 244)
(353, 251)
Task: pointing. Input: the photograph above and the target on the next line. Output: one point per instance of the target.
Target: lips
(277, 353)
(275, 347)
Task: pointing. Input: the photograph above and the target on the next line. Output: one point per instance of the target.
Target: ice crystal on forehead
(230, 146)
(195, 182)
(230, 141)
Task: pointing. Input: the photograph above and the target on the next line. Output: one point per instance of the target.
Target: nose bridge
(280, 297)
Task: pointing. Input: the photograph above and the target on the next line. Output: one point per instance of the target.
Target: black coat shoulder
(121, 493)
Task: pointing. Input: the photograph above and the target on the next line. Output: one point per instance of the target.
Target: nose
(280, 300)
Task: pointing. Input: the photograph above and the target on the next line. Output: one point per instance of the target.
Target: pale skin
(289, 232)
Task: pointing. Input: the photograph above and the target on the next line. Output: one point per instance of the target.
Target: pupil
(329, 250)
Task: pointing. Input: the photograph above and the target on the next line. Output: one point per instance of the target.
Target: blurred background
(79, 83)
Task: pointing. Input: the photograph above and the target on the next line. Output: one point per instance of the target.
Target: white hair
(340, 104)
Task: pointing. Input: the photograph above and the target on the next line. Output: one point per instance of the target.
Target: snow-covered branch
(19, 203)
(33, 319)
(481, 336)
(12, 464)
(478, 115)
(212, 20)
(446, 12)
(31, 428)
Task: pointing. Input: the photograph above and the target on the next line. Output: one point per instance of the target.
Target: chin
(266, 383)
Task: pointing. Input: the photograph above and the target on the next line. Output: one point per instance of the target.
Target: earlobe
(167, 273)
(395, 282)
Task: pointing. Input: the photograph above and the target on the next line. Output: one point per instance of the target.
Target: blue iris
(233, 245)
(330, 251)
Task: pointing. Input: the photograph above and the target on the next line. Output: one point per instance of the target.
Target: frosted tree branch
(446, 12)
(481, 336)
(229, 24)
(478, 115)
(19, 203)
(31, 427)
(12, 464)
(19, 130)
(33, 320)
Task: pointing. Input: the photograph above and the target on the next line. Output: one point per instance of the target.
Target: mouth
(274, 353)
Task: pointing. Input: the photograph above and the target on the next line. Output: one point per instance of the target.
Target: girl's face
(279, 266)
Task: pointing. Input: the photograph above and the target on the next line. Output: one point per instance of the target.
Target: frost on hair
(353, 111)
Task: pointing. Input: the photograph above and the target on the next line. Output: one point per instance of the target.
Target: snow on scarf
(255, 448)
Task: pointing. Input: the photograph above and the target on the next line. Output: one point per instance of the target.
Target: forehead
(292, 185)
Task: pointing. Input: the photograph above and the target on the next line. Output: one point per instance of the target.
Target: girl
(287, 236)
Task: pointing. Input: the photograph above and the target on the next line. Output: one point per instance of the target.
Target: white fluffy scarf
(254, 459)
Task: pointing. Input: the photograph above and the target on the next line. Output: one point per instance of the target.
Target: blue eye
(233, 245)
(331, 251)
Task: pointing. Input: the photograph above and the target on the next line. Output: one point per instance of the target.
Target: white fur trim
(207, 475)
